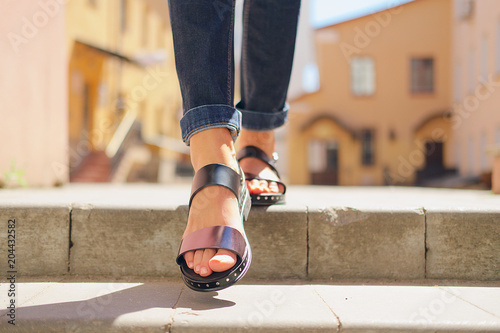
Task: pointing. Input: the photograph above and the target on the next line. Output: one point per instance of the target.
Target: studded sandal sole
(218, 237)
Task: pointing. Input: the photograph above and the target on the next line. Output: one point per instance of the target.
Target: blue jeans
(203, 32)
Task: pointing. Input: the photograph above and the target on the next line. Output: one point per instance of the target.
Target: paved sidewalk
(172, 196)
(167, 306)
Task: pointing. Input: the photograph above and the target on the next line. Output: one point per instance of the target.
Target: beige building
(124, 97)
(476, 98)
(382, 112)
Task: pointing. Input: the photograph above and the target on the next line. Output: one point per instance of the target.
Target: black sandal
(263, 199)
(218, 237)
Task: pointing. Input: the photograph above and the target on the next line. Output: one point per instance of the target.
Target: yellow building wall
(140, 31)
(391, 38)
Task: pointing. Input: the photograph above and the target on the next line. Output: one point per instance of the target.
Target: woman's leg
(203, 44)
(269, 32)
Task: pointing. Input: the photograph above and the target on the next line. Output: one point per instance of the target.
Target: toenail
(190, 264)
(197, 269)
(204, 270)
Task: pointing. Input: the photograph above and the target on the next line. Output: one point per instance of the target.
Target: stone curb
(368, 233)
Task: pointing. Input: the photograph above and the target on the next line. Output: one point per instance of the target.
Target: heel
(247, 204)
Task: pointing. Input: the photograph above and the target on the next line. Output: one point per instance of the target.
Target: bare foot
(213, 205)
(266, 142)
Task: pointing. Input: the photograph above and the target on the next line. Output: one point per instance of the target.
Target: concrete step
(146, 305)
(321, 234)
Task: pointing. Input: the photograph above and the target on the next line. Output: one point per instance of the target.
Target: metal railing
(129, 134)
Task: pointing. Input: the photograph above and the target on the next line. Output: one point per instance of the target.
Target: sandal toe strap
(216, 237)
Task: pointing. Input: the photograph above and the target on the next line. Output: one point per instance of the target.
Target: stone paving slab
(91, 307)
(465, 246)
(167, 306)
(412, 308)
(126, 242)
(349, 243)
(278, 238)
(262, 308)
(41, 244)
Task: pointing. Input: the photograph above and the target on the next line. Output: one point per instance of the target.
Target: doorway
(323, 162)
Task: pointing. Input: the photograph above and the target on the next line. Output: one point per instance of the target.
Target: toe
(198, 256)
(223, 260)
(254, 187)
(205, 269)
(273, 187)
(189, 258)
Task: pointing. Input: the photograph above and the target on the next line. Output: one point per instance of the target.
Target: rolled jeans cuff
(210, 116)
(263, 121)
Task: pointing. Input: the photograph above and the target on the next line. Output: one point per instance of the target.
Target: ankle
(263, 140)
(213, 145)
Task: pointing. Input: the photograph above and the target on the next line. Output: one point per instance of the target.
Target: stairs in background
(95, 168)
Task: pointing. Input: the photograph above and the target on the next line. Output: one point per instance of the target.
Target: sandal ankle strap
(256, 152)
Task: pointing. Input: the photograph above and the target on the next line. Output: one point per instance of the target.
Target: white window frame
(363, 76)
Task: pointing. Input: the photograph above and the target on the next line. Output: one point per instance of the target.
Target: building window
(362, 76)
(123, 15)
(471, 71)
(484, 58)
(367, 147)
(422, 75)
(310, 78)
(465, 9)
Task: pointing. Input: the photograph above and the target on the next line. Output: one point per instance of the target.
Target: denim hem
(263, 121)
(210, 116)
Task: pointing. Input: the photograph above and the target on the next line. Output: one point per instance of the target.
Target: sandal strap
(217, 237)
(256, 152)
(216, 174)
